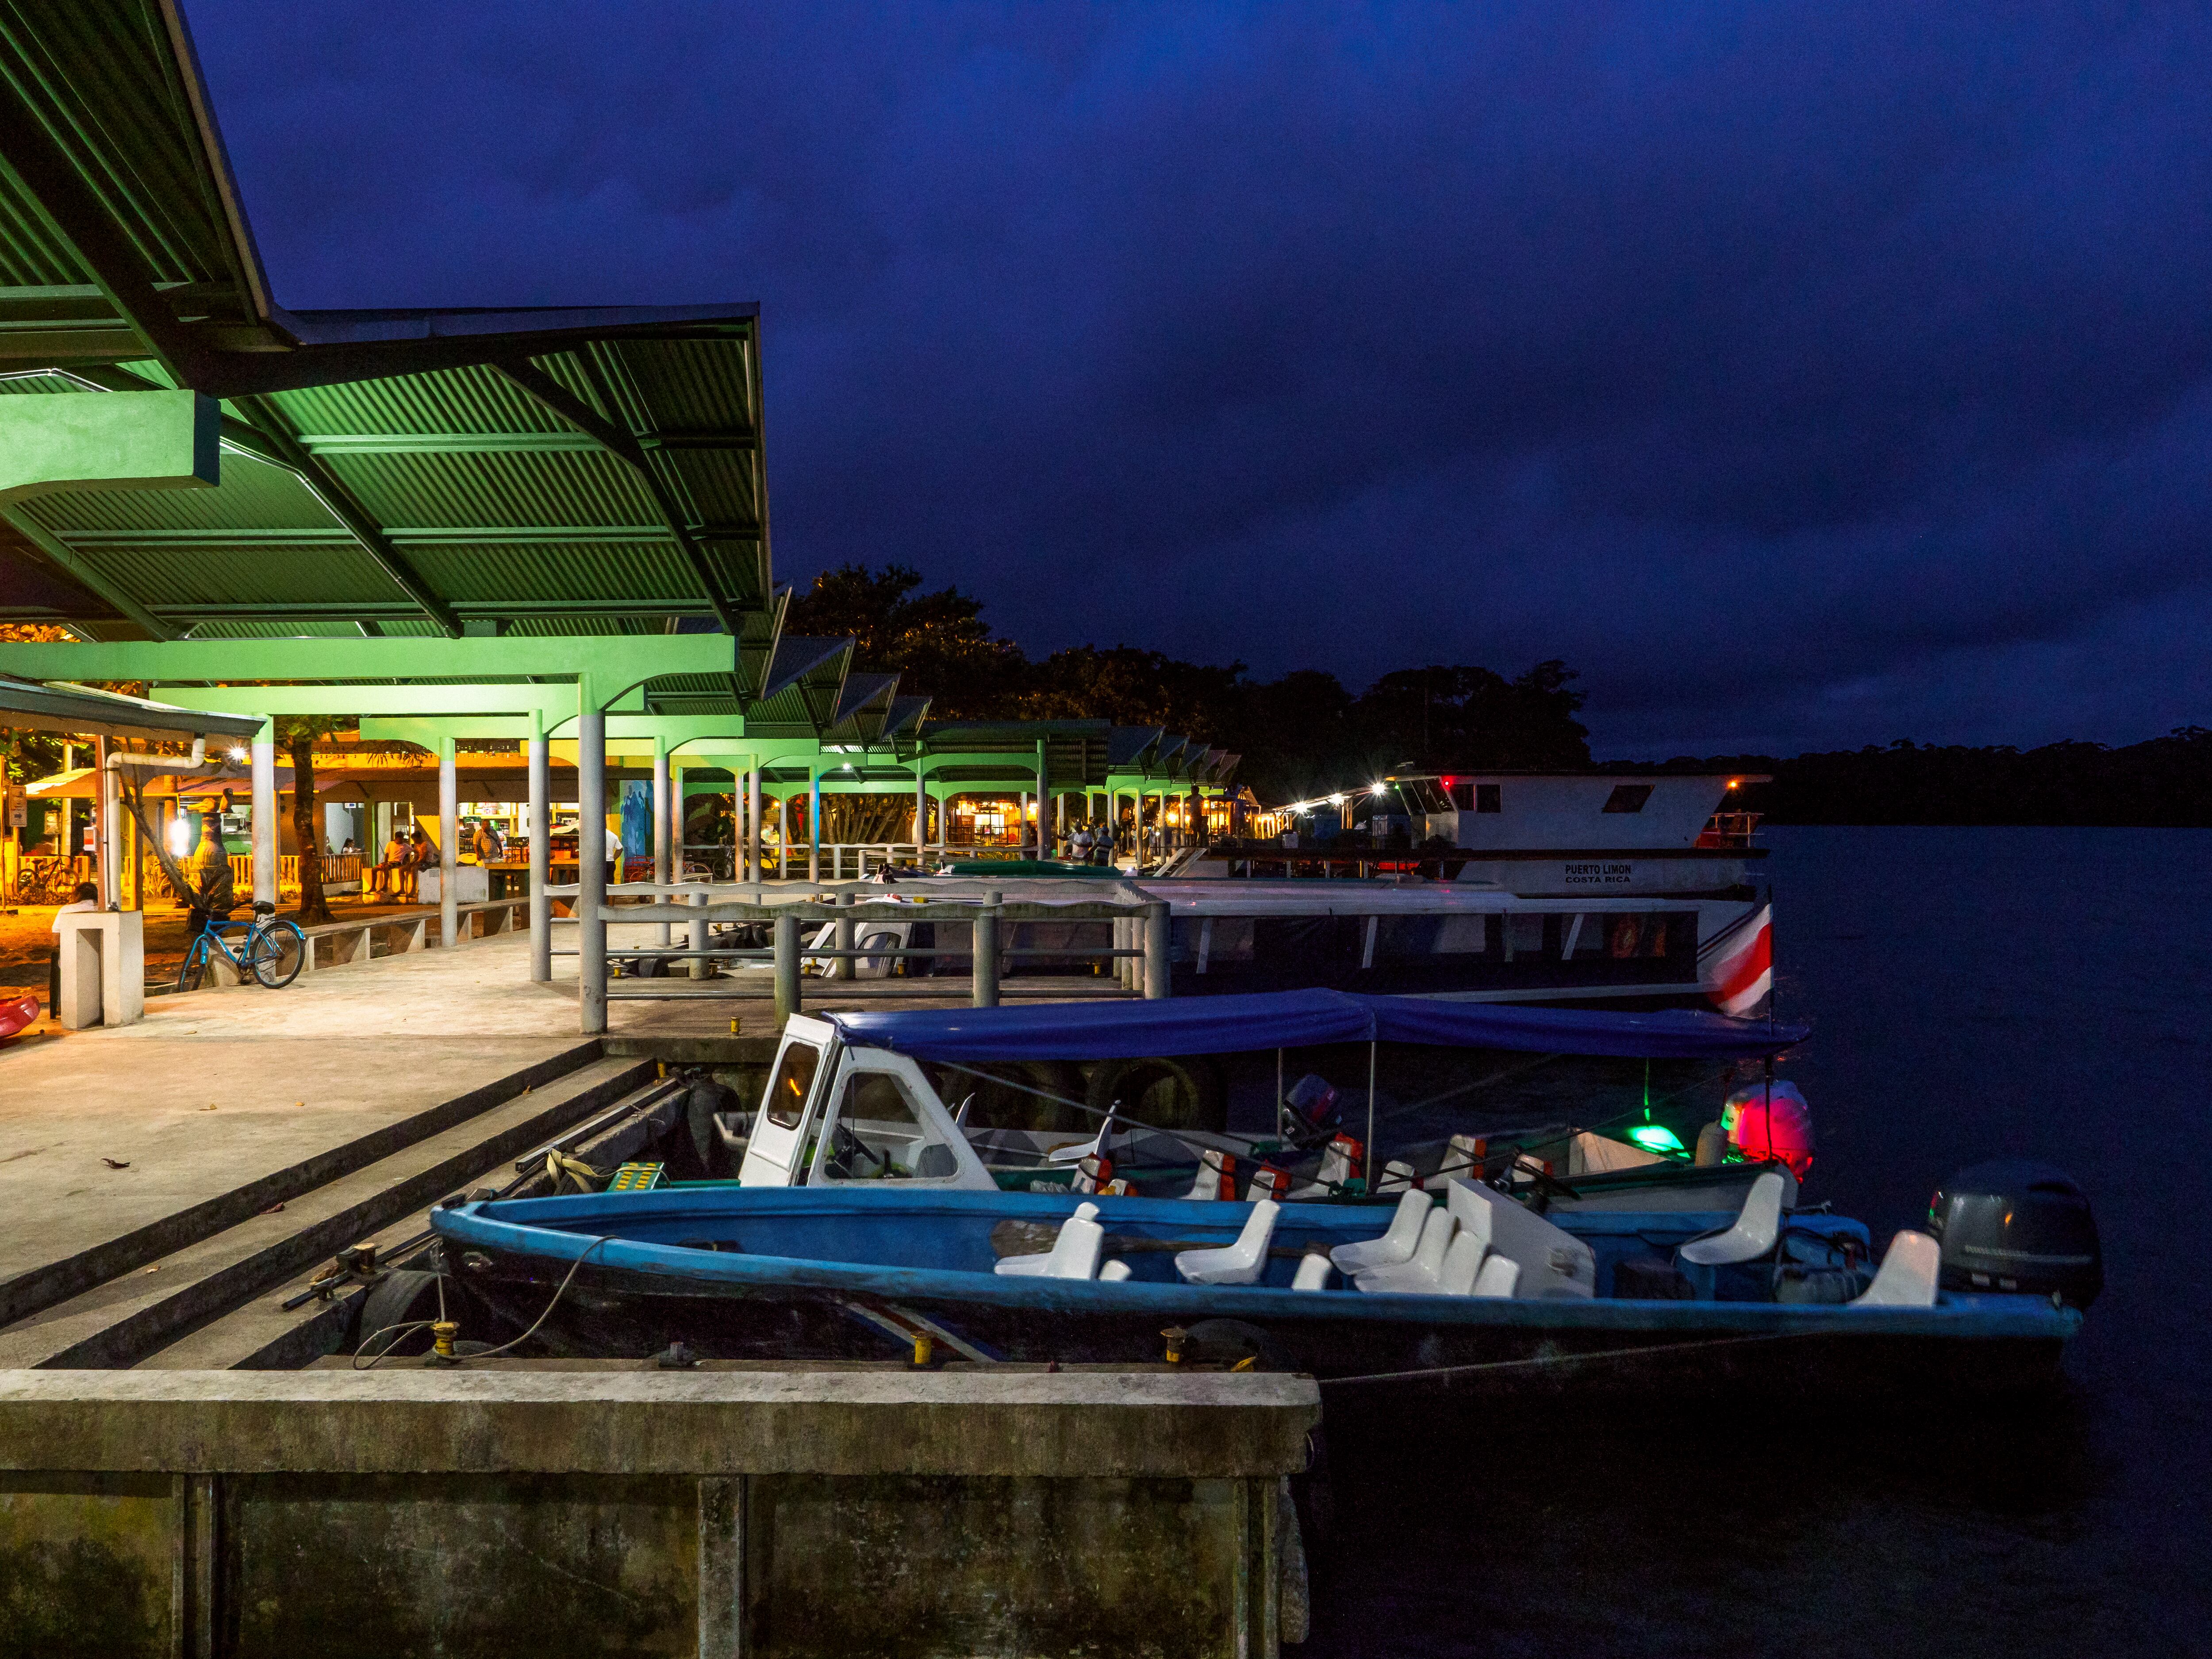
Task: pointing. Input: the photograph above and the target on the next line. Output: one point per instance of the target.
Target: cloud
(1818, 372)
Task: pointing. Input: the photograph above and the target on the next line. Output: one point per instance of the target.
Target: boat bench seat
(1073, 1255)
(1244, 1262)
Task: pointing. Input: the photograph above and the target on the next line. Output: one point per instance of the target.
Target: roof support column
(264, 813)
(753, 820)
(921, 809)
(1044, 837)
(814, 822)
(661, 874)
(539, 827)
(449, 846)
(591, 860)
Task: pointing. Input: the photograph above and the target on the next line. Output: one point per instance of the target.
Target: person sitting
(487, 847)
(86, 898)
(388, 873)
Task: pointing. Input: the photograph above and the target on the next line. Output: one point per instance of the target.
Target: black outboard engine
(2012, 1225)
(1314, 1111)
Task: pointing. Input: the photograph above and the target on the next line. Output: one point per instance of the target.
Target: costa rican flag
(1743, 968)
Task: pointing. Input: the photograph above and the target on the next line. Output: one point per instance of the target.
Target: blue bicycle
(271, 950)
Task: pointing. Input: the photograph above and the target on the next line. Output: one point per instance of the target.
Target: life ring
(1166, 1093)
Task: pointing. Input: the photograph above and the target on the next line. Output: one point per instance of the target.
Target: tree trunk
(313, 908)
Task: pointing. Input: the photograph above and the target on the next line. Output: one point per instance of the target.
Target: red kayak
(18, 1017)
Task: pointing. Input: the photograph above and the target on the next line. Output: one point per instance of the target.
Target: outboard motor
(1313, 1104)
(2011, 1225)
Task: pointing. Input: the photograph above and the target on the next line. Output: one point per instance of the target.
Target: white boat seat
(1394, 1246)
(1757, 1228)
(1214, 1169)
(1114, 1272)
(1397, 1177)
(1313, 1274)
(1456, 1277)
(1418, 1277)
(1073, 1255)
(1500, 1276)
(1910, 1275)
(1552, 1261)
(1241, 1263)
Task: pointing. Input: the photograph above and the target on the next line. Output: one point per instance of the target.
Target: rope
(1563, 1359)
(385, 1353)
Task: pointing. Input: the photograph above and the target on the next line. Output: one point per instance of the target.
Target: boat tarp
(1301, 1019)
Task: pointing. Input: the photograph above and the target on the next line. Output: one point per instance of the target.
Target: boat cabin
(833, 1115)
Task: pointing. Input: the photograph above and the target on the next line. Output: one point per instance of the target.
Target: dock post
(591, 866)
(786, 965)
(541, 853)
(843, 967)
(1157, 983)
(984, 953)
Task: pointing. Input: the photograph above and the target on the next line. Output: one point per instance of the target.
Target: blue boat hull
(797, 1274)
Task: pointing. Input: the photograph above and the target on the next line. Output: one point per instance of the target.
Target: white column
(1044, 805)
(449, 847)
(592, 863)
(676, 817)
(1137, 822)
(539, 827)
(753, 818)
(921, 808)
(264, 813)
(107, 809)
(660, 869)
(813, 824)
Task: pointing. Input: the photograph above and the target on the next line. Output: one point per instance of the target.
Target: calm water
(2038, 992)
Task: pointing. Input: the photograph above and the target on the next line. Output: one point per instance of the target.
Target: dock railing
(1139, 951)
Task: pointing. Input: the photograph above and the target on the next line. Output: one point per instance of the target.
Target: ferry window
(1628, 798)
(878, 1134)
(1487, 799)
(794, 1081)
(1423, 795)
(1524, 935)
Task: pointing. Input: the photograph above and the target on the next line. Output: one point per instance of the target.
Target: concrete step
(55, 1282)
(263, 1335)
(121, 1322)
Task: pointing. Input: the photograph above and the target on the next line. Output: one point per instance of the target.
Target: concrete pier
(550, 1512)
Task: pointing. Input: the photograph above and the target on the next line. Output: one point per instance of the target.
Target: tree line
(1301, 735)
(2165, 782)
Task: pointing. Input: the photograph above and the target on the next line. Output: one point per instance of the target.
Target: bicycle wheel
(195, 968)
(277, 953)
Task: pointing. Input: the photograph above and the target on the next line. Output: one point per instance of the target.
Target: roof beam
(612, 662)
(347, 508)
(47, 177)
(620, 441)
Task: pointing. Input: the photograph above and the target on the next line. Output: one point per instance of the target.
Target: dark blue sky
(1804, 374)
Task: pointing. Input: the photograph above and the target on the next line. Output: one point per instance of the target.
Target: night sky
(1806, 375)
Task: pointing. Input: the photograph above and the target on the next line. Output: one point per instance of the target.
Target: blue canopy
(1300, 1020)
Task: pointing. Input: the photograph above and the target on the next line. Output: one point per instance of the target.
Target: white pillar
(264, 813)
(676, 817)
(539, 827)
(107, 809)
(813, 824)
(592, 863)
(783, 836)
(921, 808)
(660, 870)
(1044, 805)
(449, 847)
(1137, 822)
(753, 819)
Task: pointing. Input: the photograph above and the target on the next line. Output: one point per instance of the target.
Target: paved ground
(26, 932)
(215, 1088)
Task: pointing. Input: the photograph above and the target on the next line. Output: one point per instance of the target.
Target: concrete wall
(539, 1512)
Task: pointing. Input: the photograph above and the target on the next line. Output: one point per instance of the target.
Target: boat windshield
(794, 1081)
(1423, 795)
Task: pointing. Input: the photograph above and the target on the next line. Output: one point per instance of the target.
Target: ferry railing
(1139, 951)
